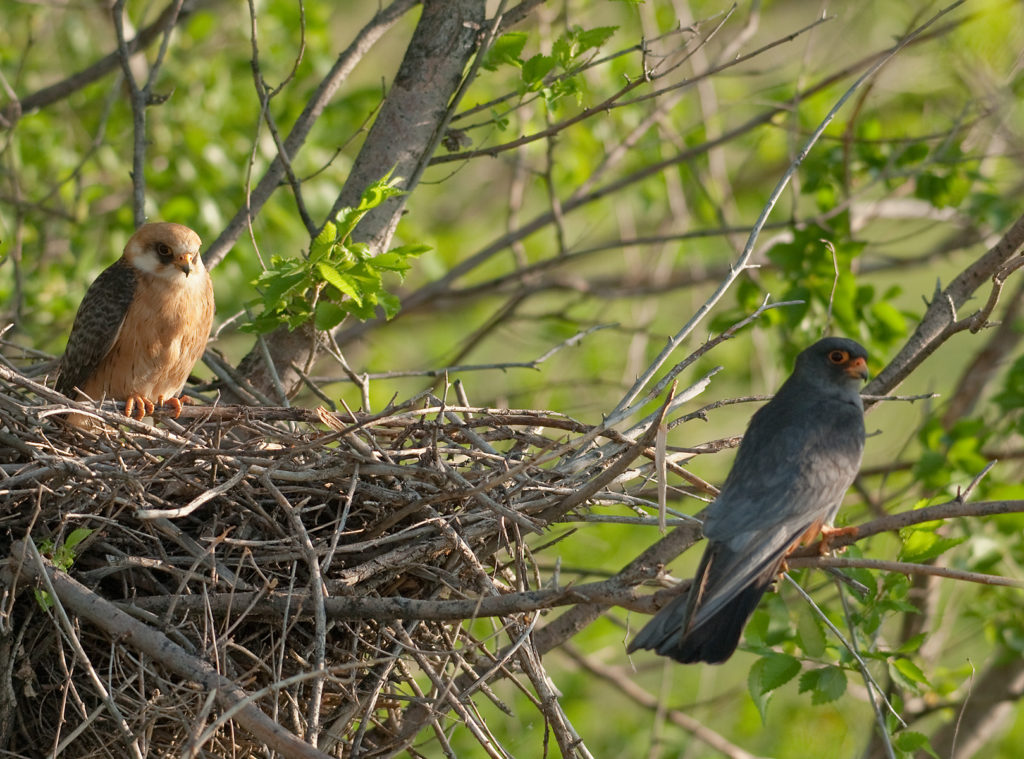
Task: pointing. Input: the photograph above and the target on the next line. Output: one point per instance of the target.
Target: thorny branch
(941, 320)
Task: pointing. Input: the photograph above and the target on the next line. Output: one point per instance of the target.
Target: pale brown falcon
(142, 324)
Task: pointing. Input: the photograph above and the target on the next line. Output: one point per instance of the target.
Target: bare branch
(906, 568)
(940, 321)
(174, 13)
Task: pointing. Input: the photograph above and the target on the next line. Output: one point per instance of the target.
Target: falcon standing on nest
(142, 324)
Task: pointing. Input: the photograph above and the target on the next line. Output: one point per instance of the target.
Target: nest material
(250, 577)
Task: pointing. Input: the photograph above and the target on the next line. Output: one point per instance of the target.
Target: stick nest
(297, 561)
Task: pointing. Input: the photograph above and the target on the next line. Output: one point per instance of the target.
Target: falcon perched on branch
(799, 455)
(142, 324)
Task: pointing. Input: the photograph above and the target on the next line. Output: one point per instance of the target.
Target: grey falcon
(799, 455)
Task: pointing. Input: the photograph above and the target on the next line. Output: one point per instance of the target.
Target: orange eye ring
(838, 357)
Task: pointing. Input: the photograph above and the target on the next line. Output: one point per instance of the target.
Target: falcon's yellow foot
(175, 404)
(828, 534)
(138, 406)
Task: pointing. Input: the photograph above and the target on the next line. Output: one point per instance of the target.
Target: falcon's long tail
(712, 642)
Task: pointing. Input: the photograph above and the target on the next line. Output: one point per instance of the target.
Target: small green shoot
(63, 557)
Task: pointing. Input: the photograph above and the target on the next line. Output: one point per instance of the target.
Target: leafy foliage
(951, 456)
(339, 276)
(825, 684)
(555, 76)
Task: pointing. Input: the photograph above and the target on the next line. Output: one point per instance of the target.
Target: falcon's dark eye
(838, 357)
(163, 250)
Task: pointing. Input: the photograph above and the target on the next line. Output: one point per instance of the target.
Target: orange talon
(828, 534)
(174, 404)
(138, 406)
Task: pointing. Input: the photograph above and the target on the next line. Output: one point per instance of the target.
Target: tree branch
(941, 321)
(406, 130)
(366, 38)
(169, 17)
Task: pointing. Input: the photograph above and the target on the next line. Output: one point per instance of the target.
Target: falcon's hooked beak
(184, 263)
(856, 368)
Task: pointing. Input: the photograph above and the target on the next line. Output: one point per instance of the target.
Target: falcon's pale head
(165, 250)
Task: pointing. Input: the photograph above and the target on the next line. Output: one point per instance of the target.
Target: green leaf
(910, 742)
(341, 281)
(908, 674)
(826, 684)
(567, 48)
(347, 219)
(43, 598)
(535, 69)
(591, 38)
(411, 250)
(913, 153)
(563, 50)
(278, 284)
(942, 189)
(767, 674)
(366, 278)
(384, 188)
(756, 631)
(263, 323)
(76, 536)
(500, 120)
(366, 310)
(298, 314)
(778, 670)
(358, 251)
(390, 303)
(506, 50)
(912, 644)
(1012, 397)
(889, 317)
(810, 634)
(391, 261)
(328, 315)
(323, 242)
(923, 545)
